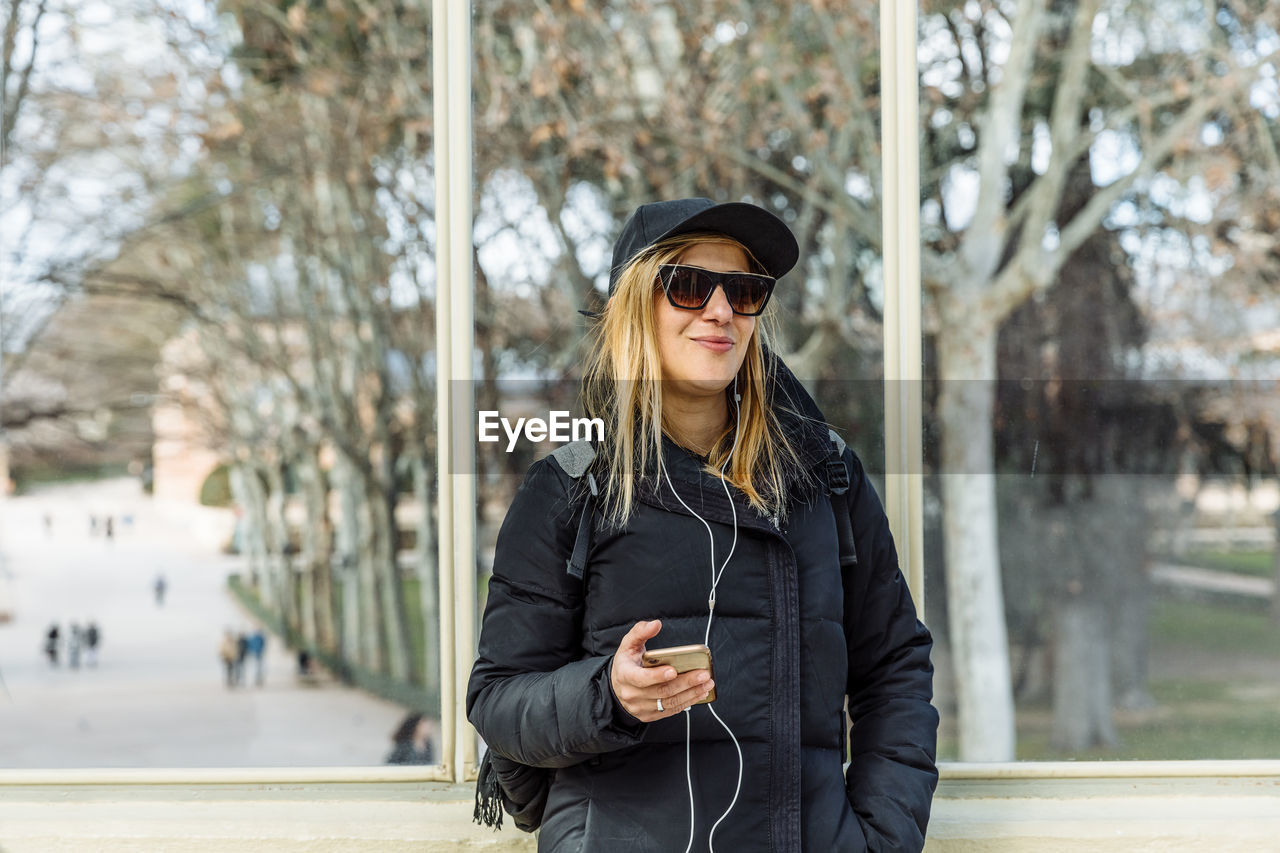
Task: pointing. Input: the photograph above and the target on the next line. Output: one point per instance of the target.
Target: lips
(714, 343)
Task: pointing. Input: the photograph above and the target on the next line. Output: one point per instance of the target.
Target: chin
(705, 385)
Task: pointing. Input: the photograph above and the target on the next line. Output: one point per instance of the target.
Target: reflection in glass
(243, 348)
(1090, 221)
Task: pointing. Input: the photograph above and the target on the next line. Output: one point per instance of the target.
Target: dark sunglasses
(690, 288)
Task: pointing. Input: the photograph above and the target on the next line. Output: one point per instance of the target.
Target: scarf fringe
(488, 811)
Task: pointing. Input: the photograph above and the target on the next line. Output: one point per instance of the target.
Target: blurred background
(217, 355)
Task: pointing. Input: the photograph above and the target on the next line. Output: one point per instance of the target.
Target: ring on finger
(661, 710)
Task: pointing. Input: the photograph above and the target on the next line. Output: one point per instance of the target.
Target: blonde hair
(622, 384)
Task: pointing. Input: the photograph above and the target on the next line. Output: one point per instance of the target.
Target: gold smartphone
(683, 658)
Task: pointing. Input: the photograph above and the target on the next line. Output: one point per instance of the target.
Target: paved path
(1213, 581)
(156, 697)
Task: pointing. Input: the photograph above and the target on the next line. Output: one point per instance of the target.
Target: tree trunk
(1081, 676)
(351, 630)
(247, 491)
(1130, 603)
(1131, 643)
(371, 648)
(975, 603)
(307, 565)
(278, 548)
(381, 501)
(425, 560)
(317, 617)
(345, 557)
(360, 615)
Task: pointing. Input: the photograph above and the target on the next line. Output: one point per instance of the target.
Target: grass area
(1214, 628)
(1256, 563)
(31, 478)
(1228, 728)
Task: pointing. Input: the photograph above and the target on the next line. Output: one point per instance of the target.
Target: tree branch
(839, 206)
(1045, 194)
(10, 118)
(997, 131)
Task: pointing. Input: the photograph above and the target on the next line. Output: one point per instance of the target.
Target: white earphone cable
(711, 607)
(688, 770)
(737, 789)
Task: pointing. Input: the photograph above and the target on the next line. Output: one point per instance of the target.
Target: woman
(713, 522)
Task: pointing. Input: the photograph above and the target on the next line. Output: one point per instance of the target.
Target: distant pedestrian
(51, 644)
(242, 652)
(227, 654)
(411, 741)
(73, 646)
(159, 586)
(48, 524)
(110, 528)
(93, 525)
(92, 636)
(257, 645)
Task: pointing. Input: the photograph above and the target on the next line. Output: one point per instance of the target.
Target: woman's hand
(641, 690)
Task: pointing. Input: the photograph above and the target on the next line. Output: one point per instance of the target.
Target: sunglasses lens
(687, 288)
(747, 293)
(690, 288)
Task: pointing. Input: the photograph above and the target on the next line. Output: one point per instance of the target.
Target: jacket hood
(799, 415)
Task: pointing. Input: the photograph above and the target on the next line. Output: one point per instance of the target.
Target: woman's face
(702, 350)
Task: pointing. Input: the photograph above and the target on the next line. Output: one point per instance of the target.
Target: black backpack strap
(838, 489)
(574, 459)
(582, 542)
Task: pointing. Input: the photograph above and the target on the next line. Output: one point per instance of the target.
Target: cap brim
(766, 236)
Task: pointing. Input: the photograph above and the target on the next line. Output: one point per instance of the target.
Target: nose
(717, 308)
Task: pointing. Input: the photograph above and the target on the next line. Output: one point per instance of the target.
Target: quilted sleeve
(534, 695)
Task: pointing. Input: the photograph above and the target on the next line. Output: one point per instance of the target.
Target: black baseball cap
(765, 235)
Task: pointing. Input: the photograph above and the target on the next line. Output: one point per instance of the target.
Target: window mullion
(899, 123)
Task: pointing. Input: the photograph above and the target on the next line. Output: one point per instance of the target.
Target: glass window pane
(584, 112)
(1099, 446)
(582, 115)
(218, 388)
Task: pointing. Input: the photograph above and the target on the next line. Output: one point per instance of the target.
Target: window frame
(903, 356)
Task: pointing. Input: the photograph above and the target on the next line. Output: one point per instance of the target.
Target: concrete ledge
(1113, 806)
(1047, 808)
(253, 817)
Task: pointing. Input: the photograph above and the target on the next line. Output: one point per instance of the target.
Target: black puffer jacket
(790, 639)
